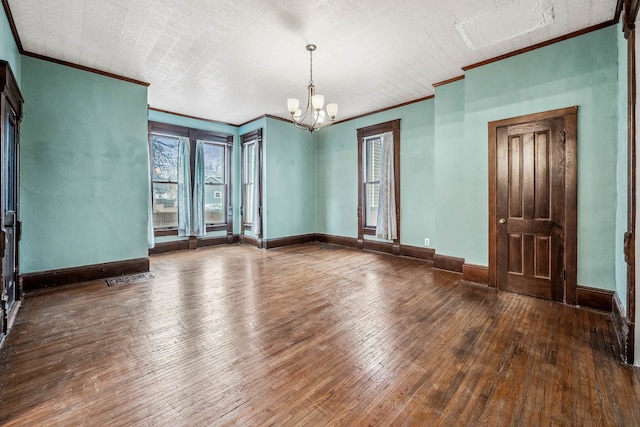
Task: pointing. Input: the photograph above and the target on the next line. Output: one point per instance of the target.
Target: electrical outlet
(426, 242)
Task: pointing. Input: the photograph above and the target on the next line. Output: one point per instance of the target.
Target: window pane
(214, 203)
(248, 205)
(249, 162)
(165, 205)
(371, 208)
(214, 172)
(373, 153)
(165, 158)
(248, 179)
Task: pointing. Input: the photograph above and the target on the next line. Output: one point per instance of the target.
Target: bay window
(205, 185)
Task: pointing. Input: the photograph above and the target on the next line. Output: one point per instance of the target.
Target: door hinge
(564, 275)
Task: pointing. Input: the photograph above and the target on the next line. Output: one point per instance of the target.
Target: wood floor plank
(312, 335)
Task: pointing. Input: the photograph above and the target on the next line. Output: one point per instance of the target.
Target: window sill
(159, 232)
(369, 231)
(217, 227)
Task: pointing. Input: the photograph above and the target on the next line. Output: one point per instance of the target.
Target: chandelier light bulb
(332, 110)
(317, 101)
(292, 105)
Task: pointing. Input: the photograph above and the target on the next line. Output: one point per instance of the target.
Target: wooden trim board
(288, 241)
(417, 252)
(47, 279)
(622, 326)
(349, 242)
(445, 262)
(475, 273)
(594, 298)
(162, 247)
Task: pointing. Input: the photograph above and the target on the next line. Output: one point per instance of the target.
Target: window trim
(256, 136)
(194, 135)
(208, 138)
(366, 132)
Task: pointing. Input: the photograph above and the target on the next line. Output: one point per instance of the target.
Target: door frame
(570, 116)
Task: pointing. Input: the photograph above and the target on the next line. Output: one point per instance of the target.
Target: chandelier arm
(302, 126)
(309, 108)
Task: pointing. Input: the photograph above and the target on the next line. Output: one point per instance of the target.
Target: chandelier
(313, 117)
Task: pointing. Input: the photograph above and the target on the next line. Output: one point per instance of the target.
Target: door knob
(502, 221)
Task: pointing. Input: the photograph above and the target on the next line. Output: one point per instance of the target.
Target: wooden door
(10, 113)
(9, 200)
(531, 223)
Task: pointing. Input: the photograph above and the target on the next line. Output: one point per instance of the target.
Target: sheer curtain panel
(199, 220)
(184, 189)
(386, 227)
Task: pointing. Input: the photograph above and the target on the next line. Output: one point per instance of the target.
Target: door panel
(530, 208)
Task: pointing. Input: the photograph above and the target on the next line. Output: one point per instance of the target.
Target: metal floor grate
(129, 278)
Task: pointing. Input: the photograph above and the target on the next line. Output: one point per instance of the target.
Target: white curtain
(386, 227)
(184, 189)
(199, 221)
(255, 225)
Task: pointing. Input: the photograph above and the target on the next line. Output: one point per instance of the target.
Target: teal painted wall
(289, 190)
(337, 180)
(451, 204)
(8, 50)
(621, 203)
(337, 187)
(580, 71)
(189, 122)
(174, 119)
(417, 185)
(84, 174)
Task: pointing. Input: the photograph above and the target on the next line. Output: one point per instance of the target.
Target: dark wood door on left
(9, 206)
(10, 113)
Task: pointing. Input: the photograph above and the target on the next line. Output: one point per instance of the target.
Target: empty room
(318, 213)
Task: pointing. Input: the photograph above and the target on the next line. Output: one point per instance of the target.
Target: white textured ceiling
(235, 60)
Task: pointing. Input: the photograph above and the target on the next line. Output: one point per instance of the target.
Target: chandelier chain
(311, 66)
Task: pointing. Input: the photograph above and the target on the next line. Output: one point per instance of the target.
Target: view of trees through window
(165, 181)
(214, 183)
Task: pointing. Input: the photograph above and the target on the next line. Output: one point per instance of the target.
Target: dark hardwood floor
(308, 335)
